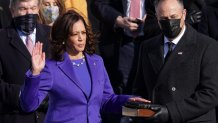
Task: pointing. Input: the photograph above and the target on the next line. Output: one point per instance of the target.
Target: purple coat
(68, 102)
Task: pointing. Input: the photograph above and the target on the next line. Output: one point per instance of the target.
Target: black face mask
(170, 27)
(26, 23)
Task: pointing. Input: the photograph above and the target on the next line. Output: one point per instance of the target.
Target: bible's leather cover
(136, 109)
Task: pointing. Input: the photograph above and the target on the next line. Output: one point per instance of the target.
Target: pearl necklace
(78, 64)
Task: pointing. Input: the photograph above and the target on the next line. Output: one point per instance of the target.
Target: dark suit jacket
(5, 14)
(108, 10)
(15, 60)
(187, 83)
(209, 22)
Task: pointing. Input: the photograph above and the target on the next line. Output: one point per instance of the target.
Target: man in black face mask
(178, 70)
(16, 43)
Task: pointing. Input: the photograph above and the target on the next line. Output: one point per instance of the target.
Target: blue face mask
(50, 13)
(26, 23)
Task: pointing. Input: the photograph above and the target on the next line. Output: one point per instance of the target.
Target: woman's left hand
(138, 99)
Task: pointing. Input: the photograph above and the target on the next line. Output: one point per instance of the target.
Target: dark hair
(61, 30)
(156, 2)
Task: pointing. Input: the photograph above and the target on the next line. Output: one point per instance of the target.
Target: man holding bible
(178, 70)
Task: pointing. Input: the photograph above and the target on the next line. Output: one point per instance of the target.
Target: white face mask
(50, 13)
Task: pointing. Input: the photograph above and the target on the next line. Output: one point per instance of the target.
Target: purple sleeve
(35, 90)
(112, 102)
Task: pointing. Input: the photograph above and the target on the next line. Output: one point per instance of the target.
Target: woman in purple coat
(74, 78)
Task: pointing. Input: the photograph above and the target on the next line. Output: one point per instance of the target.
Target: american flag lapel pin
(180, 53)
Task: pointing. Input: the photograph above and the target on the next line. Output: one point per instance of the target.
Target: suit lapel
(92, 66)
(18, 44)
(124, 5)
(41, 34)
(67, 68)
(156, 57)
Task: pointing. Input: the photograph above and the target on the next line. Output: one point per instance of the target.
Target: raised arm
(37, 82)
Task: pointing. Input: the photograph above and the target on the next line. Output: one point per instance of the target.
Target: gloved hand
(161, 115)
(194, 17)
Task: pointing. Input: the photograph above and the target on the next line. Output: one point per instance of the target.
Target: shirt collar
(22, 34)
(177, 39)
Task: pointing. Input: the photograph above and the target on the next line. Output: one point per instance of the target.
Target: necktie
(29, 44)
(170, 49)
(135, 9)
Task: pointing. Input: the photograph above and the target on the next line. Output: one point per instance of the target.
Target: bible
(136, 109)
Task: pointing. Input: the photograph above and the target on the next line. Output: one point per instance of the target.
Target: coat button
(37, 115)
(173, 88)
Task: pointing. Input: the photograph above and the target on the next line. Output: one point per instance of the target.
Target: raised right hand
(38, 59)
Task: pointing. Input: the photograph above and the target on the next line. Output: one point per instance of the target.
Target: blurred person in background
(194, 11)
(208, 25)
(79, 6)
(5, 14)
(50, 10)
(209, 22)
(84, 8)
